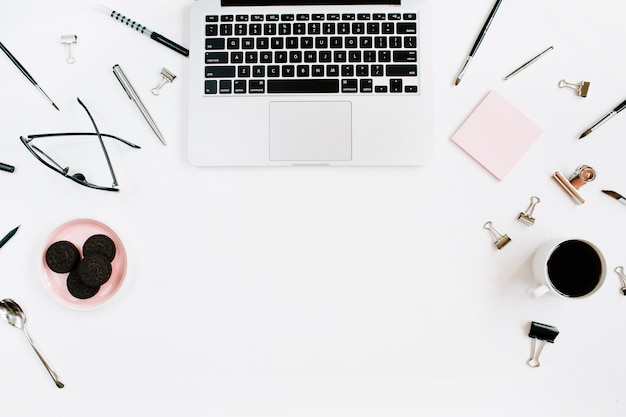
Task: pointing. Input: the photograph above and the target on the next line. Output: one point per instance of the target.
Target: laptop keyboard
(345, 53)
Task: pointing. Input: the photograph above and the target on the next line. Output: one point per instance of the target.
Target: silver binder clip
(70, 41)
(582, 176)
(622, 277)
(499, 240)
(581, 88)
(167, 77)
(527, 216)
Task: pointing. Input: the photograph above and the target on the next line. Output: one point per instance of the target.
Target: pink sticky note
(496, 135)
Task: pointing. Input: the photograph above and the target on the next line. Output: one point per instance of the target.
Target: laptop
(310, 82)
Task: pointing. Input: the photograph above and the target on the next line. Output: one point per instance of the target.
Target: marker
(8, 236)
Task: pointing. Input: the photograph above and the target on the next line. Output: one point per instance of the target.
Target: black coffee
(574, 268)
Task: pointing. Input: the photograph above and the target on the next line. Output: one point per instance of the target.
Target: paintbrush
(544, 333)
(615, 195)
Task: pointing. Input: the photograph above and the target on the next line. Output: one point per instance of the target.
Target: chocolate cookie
(78, 288)
(99, 245)
(62, 256)
(94, 270)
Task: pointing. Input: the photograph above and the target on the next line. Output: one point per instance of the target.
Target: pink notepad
(496, 135)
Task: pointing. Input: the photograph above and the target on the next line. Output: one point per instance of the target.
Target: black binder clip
(499, 240)
(582, 176)
(544, 333)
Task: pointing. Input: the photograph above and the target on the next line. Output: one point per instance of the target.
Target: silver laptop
(310, 82)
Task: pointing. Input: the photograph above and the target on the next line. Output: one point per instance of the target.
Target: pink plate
(78, 231)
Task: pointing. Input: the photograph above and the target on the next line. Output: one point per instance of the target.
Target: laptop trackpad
(310, 131)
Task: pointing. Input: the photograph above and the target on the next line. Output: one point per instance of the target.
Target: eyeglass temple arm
(43, 135)
(104, 149)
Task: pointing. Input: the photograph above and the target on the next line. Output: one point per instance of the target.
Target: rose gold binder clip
(622, 277)
(70, 41)
(526, 217)
(581, 88)
(582, 176)
(499, 240)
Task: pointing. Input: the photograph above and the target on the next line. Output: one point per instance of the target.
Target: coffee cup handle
(539, 290)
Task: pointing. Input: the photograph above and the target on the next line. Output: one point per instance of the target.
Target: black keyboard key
(265, 57)
(325, 56)
(410, 42)
(219, 71)
(366, 85)
(317, 70)
(314, 29)
(333, 16)
(287, 17)
(410, 89)
(210, 87)
(306, 42)
(377, 70)
(302, 86)
(332, 71)
(394, 16)
(295, 57)
(216, 57)
(289, 71)
(299, 29)
(252, 57)
(388, 28)
(343, 28)
(336, 42)
(362, 71)
(365, 42)
(358, 28)
(226, 86)
(347, 70)
(363, 16)
(349, 85)
(215, 43)
(351, 42)
(241, 29)
(232, 43)
(227, 18)
(395, 85)
(302, 17)
(407, 28)
(258, 71)
(211, 18)
(256, 87)
(257, 18)
(277, 43)
(404, 56)
(328, 28)
(226, 29)
(269, 29)
(384, 56)
(317, 16)
(401, 70)
(272, 18)
(379, 16)
(236, 57)
(273, 71)
(303, 71)
(409, 16)
(321, 42)
(354, 56)
(262, 43)
(348, 16)
(211, 30)
(243, 71)
(373, 28)
(247, 43)
(284, 29)
(395, 42)
(240, 86)
(256, 29)
(380, 89)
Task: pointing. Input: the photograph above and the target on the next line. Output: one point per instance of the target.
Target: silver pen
(132, 94)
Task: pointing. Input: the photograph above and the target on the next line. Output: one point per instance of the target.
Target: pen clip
(119, 74)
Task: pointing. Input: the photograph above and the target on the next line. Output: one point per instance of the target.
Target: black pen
(25, 73)
(149, 33)
(604, 119)
(6, 167)
(478, 41)
(8, 236)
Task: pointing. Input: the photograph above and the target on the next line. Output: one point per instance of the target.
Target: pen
(616, 110)
(8, 236)
(150, 33)
(132, 94)
(26, 74)
(478, 41)
(526, 64)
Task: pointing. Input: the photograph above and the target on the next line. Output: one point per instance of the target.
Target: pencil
(479, 39)
(25, 73)
(8, 236)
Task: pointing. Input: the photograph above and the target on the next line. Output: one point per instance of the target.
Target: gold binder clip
(527, 216)
(581, 88)
(582, 176)
(70, 41)
(499, 240)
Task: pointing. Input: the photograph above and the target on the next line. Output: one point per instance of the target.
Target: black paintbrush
(544, 333)
(615, 195)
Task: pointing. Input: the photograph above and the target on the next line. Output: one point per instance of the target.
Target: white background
(316, 291)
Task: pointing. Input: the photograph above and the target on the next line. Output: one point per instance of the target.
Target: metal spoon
(13, 314)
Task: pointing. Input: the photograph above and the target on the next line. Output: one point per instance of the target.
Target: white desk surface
(317, 291)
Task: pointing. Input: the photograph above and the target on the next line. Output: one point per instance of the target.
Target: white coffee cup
(569, 268)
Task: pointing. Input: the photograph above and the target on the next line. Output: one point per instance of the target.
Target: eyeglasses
(77, 177)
